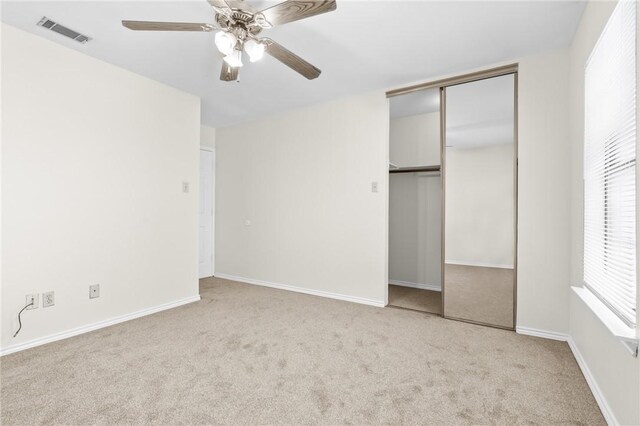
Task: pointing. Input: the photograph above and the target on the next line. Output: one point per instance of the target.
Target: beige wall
(303, 180)
(93, 160)
(615, 371)
(415, 201)
(480, 206)
(543, 193)
(207, 137)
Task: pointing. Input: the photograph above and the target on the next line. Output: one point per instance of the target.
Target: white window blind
(610, 165)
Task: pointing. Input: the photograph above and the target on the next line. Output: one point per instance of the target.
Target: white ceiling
(480, 113)
(362, 46)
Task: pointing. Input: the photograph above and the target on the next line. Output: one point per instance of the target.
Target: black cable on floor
(19, 321)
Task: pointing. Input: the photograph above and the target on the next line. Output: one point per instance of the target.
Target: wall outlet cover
(36, 301)
(94, 291)
(48, 299)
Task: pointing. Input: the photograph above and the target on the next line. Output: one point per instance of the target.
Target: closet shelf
(415, 169)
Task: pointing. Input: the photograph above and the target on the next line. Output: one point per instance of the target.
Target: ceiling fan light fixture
(234, 59)
(225, 42)
(254, 49)
(237, 30)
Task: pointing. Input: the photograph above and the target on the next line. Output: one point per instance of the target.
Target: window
(610, 165)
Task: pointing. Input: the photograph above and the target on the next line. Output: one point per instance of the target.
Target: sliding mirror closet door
(480, 201)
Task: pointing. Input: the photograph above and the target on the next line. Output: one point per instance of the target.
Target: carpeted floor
(479, 294)
(254, 355)
(415, 298)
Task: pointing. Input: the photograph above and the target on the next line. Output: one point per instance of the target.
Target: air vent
(54, 26)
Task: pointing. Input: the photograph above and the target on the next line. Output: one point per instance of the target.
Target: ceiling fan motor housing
(241, 23)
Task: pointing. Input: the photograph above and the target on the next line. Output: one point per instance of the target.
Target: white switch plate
(374, 186)
(48, 299)
(32, 297)
(185, 187)
(94, 291)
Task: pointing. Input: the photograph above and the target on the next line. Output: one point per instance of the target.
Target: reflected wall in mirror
(480, 199)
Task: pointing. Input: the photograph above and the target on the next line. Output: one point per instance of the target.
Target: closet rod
(415, 169)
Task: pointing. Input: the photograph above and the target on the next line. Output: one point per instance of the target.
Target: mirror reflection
(479, 173)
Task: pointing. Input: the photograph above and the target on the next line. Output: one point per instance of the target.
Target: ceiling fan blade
(293, 10)
(291, 60)
(228, 73)
(222, 7)
(240, 4)
(167, 26)
(219, 4)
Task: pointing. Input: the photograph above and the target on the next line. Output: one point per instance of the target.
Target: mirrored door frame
(442, 85)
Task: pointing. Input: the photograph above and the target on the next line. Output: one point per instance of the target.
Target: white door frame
(213, 206)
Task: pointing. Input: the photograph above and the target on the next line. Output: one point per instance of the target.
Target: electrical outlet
(33, 298)
(94, 291)
(48, 299)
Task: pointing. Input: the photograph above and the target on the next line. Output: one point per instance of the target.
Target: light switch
(185, 187)
(374, 186)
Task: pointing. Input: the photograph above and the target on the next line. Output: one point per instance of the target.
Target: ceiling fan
(239, 26)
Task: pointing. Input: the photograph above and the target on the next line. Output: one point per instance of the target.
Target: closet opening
(453, 198)
(415, 202)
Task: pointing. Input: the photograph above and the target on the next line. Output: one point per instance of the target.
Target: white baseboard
(478, 264)
(542, 333)
(95, 326)
(586, 372)
(432, 287)
(607, 413)
(354, 299)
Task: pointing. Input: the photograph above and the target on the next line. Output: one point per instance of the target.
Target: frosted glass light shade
(254, 49)
(225, 42)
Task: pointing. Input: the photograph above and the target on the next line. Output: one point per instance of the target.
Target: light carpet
(253, 355)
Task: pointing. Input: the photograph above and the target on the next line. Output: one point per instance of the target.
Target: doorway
(206, 213)
(415, 202)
